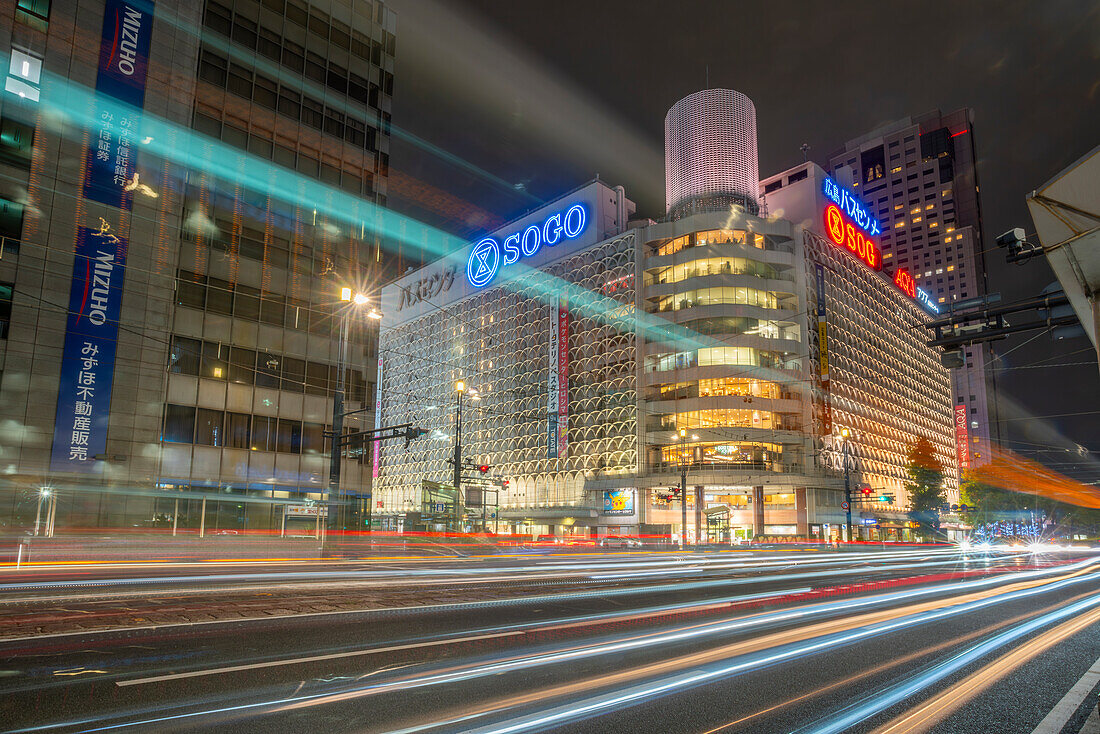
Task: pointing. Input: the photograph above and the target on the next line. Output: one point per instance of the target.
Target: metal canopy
(1066, 212)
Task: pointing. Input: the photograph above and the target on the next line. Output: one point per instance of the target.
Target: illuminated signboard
(908, 286)
(844, 233)
(903, 280)
(851, 205)
(488, 256)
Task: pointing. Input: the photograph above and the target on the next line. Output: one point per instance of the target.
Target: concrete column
(801, 513)
(700, 521)
(758, 510)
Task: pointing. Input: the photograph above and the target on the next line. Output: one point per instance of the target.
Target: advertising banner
(563, 378)
(88, 357)
(823, 351)
(962, 440)
(552, 393)
(123, 65)
(557, 403)
(618, 502)
(377, 450)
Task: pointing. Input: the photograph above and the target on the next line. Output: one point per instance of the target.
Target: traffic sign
(844, 505)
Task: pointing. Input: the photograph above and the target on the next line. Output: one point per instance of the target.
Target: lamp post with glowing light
(356, 301)
(844, 433)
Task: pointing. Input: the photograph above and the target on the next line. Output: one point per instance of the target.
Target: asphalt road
(907, 640)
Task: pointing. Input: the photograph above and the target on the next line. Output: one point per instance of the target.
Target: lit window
(933, 225)
(24, 75)
(950, 229)
(941, 299)
(916, 219)
(927, 273)
(915, 210)
(945, 192)
(35, 13)
(900, 224)
(895, 169)
(950, 268)
(939, 271)
(898, 206)
(947, 239)
(930, 206)
(887, 256)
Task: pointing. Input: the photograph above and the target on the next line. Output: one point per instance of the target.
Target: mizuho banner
(557, 408)
(88, 359)
(123, 65)
(95, 294)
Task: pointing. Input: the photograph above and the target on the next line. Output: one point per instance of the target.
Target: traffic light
(411, 434)
(866, 492)
(483, 468)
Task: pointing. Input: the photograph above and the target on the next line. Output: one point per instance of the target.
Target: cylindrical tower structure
(711, 159)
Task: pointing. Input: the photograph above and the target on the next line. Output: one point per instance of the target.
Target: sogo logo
(488, 256)
(844, 233)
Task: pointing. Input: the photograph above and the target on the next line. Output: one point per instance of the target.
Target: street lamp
(844, 433)
(357, 300)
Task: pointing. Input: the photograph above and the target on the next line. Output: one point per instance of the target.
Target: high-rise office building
(919, 177)
(187, 187)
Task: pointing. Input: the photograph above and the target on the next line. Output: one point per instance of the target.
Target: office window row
(276, 47)
(226, 429)
(219, 296)
(263, 368)
(244, 82)
(260, 143)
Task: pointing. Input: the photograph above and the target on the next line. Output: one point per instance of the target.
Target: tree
(925, 487)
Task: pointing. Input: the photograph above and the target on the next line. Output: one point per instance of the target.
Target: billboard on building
(88, 356)
(120, 96)
(962, 439)
(557, 388)
(618, 502)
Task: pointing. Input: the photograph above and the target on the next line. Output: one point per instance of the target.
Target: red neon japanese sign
(845, 234)
(903, 280)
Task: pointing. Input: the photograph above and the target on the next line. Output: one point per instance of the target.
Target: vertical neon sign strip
(962, 439)
(377, 452)
(823, 351)
(563, 378)
(552, 392)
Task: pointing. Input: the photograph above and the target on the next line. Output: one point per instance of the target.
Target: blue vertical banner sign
(120, 95)
(88, 359)
(95, 295)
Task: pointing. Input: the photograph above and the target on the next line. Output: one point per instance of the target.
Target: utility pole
(683, 492)
(337, 453)
(847, 483)
(460, 390)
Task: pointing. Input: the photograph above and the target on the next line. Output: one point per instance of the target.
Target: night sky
(521, 101)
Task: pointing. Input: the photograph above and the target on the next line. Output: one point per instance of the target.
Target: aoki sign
(488, 256)
(908, 286)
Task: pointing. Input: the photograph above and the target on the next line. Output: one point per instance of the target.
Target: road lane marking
(924, 716)
(310, 659)
(1067, 707)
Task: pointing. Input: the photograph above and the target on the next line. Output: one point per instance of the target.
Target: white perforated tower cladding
(710, 147)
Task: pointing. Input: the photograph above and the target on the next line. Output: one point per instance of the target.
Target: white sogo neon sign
(488, 256)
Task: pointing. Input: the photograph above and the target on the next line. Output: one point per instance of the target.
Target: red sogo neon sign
(845, 233)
